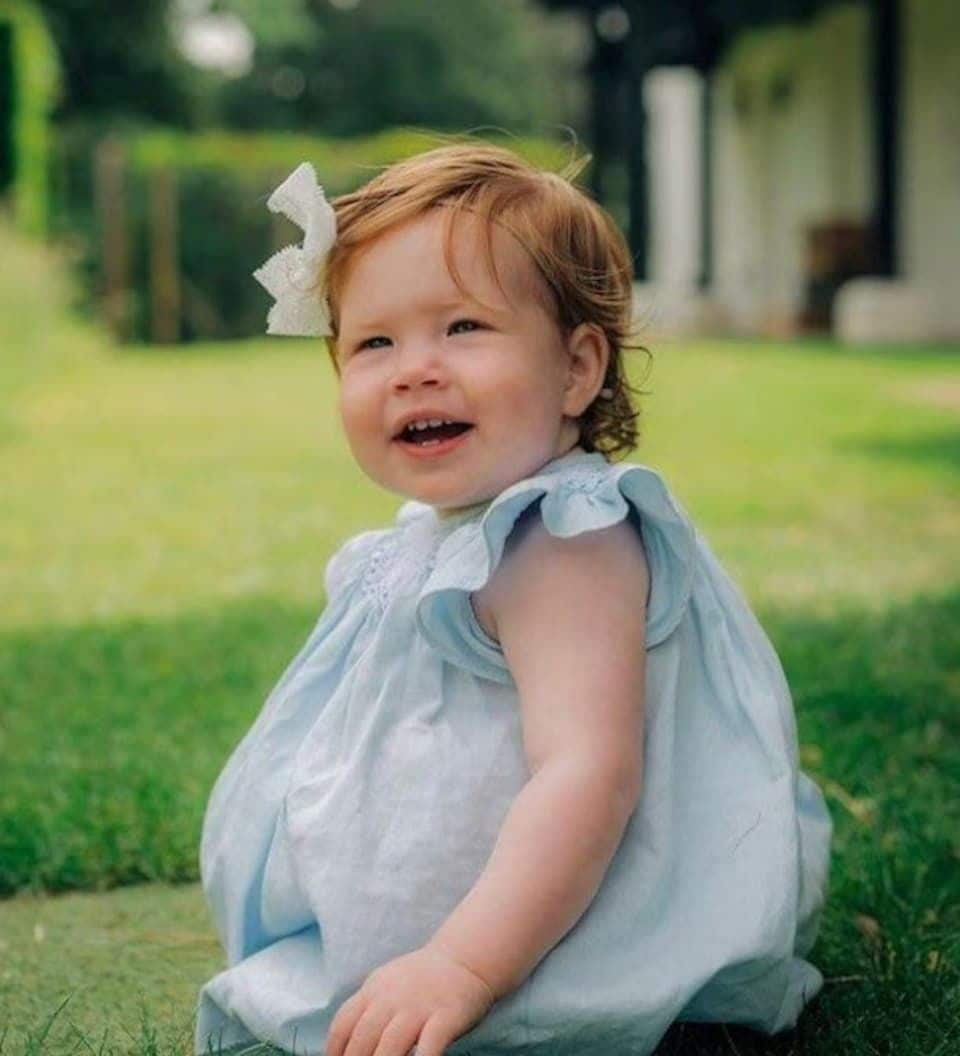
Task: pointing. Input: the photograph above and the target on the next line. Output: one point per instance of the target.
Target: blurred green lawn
(165, 523)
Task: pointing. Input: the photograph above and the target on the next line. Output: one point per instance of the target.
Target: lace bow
(294, 276)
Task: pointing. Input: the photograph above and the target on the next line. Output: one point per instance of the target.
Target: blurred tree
(347, 67)
(120, 59)
(29, 83)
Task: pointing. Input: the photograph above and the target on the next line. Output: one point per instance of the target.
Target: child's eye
(464, 326)
(374, 342)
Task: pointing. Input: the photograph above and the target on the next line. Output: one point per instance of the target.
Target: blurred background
(172, 483)
(780, 166)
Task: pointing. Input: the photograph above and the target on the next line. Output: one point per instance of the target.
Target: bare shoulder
(570, 617)
(538, 570)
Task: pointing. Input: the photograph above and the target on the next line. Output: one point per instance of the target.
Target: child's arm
(570, 617)
(569, 614)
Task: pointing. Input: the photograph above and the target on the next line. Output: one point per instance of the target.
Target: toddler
(531, 785)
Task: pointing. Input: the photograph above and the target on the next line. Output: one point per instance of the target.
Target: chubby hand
(424, 998)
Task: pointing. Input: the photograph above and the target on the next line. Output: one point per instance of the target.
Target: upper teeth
(426, 423)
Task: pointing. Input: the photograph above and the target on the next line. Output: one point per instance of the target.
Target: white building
(831, 136)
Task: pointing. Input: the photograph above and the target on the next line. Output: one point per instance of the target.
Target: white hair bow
(294, 276)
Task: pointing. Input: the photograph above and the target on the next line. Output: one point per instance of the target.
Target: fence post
(164, 254)
(110, 192)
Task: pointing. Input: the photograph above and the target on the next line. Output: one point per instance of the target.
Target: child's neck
(454, 513)
(460, 511)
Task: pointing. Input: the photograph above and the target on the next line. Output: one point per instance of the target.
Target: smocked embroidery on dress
(585, 481)
(402, 562)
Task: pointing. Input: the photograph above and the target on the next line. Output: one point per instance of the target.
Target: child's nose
(418, 366)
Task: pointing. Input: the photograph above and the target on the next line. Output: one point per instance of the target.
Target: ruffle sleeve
(581, 499)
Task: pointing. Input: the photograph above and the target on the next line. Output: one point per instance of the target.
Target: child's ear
(588, 353)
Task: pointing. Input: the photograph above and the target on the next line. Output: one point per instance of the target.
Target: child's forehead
(437, 248)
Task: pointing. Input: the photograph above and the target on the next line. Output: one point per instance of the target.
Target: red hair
(574, 243)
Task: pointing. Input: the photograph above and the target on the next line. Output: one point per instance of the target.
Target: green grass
(112, 957)
(113, 736)
(877, 697)
(155, 482)
(165, 523)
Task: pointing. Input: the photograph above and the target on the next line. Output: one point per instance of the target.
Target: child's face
(411, 345)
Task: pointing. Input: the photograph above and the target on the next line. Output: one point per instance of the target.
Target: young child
(531, 785)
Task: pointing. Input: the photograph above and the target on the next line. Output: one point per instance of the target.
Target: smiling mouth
(433, 434)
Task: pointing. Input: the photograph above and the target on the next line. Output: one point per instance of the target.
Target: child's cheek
(361, 417)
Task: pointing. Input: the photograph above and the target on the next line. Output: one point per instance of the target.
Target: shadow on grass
(113, 734)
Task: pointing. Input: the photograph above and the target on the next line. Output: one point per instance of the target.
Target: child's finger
(399, 1036)
(343, 1023)
(367, 1031)
(439, 1030)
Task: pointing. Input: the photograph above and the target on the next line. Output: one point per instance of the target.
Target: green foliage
(119, 59)
(283, 22)
(459, 64)
(35, 81)
(341, 163)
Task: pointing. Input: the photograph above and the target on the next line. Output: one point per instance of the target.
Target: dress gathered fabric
(365, 800)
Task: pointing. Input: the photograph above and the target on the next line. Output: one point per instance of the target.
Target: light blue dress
(366, 798)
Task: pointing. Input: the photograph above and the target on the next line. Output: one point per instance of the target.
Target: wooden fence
(175, 297)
